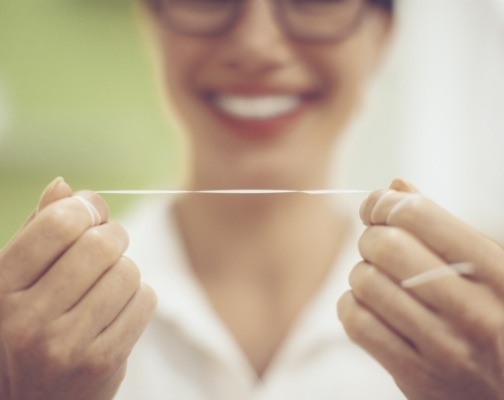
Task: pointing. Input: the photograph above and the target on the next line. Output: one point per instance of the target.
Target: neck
(267, 238)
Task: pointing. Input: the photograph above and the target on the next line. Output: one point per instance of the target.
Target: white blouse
(187, 353)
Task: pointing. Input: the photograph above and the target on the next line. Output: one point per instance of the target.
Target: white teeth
(257, 107)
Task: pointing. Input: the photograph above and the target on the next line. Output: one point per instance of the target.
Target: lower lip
(261, 127)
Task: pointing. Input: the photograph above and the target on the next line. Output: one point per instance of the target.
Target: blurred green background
(78, 100)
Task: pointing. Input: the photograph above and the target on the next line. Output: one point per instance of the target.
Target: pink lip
(259, 90)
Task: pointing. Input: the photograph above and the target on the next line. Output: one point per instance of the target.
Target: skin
(250, 253)
(258, 54)
(440, 340)
(71, 306)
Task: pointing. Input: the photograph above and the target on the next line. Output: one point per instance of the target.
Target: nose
(257, 44)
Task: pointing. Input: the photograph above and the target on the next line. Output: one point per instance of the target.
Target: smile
(257, 108)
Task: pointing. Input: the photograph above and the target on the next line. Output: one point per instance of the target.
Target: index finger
(450, 238)
(46, 238)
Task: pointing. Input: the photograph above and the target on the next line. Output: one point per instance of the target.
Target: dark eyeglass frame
(280, 14)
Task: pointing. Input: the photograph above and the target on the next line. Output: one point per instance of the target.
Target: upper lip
(260, 90)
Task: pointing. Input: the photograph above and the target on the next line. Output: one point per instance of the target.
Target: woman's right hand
(71, 305)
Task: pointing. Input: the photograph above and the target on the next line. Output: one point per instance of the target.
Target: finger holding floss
(92, 211)
(426, 271)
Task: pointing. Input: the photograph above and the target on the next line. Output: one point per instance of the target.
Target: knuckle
(101, 365)
(106, 241)
(493, 326)
(409, 210)
(367, 208)
(127, 273)
(364, 281)
(374, 289)
(57, 355)
(455, 358)
(17, 337)
(22, 331)
(356, 324)
(379, 212)
(488, 327)
(421, 374)
(449, 353)
(386, 244)
(60, 224)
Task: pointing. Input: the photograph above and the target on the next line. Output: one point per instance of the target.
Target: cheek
(348, 70)
(176, 64)
(182, 58)
(344, 87)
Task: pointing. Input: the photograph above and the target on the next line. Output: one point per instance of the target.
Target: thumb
(58, 189)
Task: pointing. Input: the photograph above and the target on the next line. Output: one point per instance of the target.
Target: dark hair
(387, 5)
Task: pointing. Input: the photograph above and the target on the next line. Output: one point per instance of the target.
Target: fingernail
(49, 188)
(96, 207)
(401, 185)
(48, 191)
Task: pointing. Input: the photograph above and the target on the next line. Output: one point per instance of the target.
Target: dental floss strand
(463, 268)
(92, 211)
(237, 191)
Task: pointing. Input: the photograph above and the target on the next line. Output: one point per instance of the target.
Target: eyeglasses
(304, 20)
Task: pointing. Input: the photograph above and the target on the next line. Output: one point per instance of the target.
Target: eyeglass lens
(303, 19)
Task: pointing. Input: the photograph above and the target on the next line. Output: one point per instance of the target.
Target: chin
(289, 173)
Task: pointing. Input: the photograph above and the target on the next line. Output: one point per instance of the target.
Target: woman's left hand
(440, 340)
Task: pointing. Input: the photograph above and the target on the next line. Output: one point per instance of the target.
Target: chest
(258, 320)
(166, 363)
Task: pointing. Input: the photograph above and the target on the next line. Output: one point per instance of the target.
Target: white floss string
(463, 268)
(93, 212)
(233, 191)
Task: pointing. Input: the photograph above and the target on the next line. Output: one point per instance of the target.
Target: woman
(247, 284)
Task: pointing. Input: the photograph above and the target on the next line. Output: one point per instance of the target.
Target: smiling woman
(247, 281)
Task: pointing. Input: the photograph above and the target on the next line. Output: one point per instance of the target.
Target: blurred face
(260, 107)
